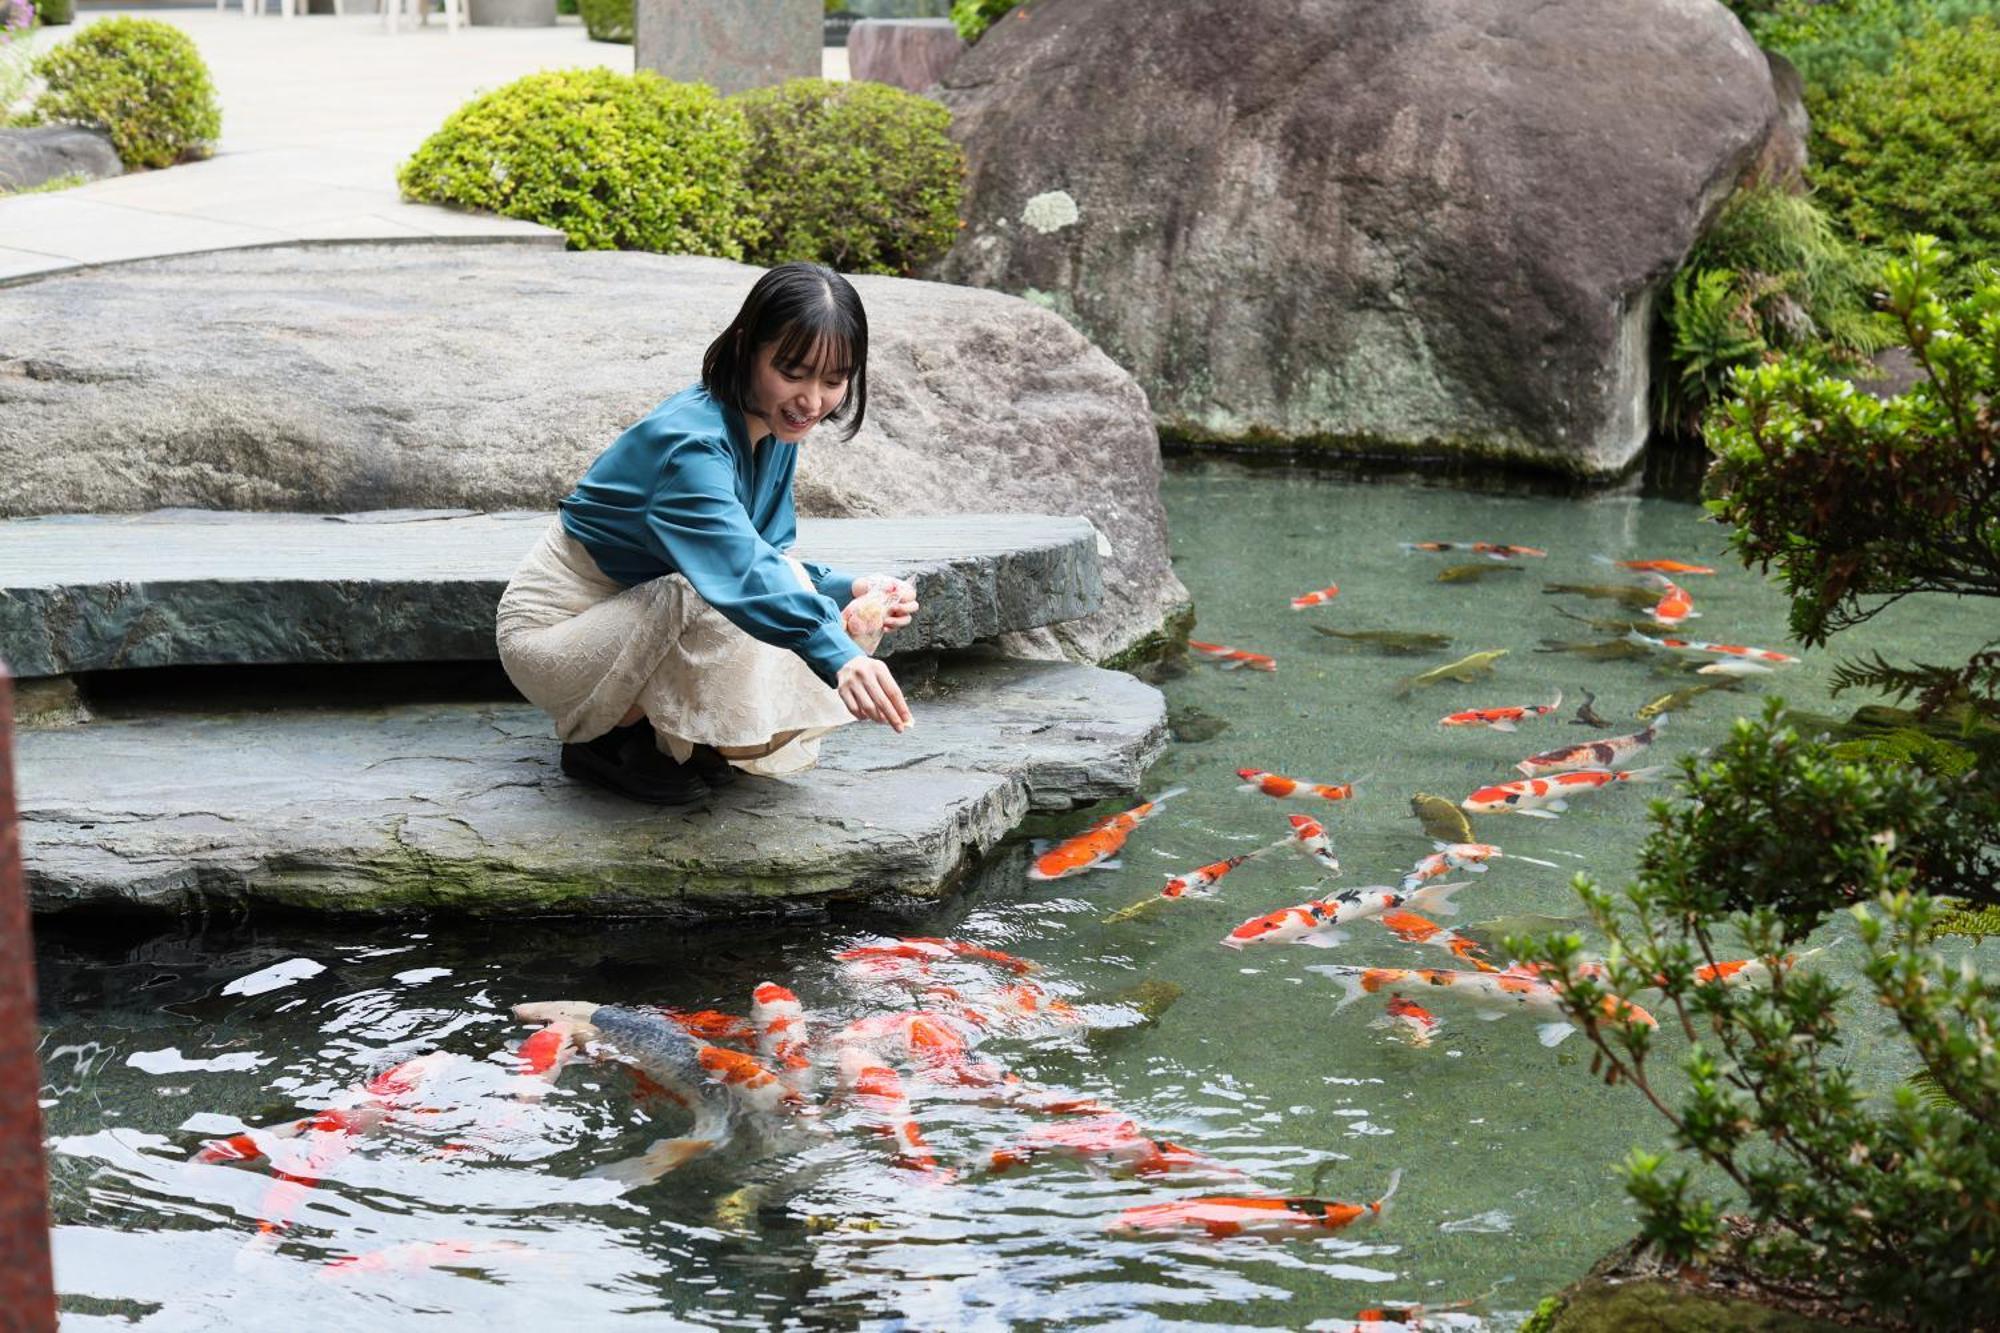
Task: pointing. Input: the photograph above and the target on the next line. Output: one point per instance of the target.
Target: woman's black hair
(797, 306)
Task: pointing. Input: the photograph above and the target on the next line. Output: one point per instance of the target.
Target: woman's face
(791, 399)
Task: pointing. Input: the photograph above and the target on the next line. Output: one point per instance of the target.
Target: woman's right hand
(871, 693)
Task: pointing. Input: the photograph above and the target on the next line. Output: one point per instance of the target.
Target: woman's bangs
(822, 346)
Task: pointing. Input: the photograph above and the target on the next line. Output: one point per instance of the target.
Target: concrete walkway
(317, 113)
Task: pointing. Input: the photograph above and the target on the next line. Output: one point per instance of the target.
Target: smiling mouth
(795, 421)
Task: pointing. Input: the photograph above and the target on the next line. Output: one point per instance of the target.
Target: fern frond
(1976, 923)
(1931, 1092)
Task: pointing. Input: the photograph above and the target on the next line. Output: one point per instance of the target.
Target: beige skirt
(585, 648)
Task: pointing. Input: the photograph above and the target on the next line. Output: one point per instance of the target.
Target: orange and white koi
(1312, 839)
(1501, 719)
(1497, 993)
(1591, 754)
(1319, 598)
(1412, 928)
(1409, 1021)
(1097, 845)
(1654, 566)
(1491, 550)
(1452, 856)
(1317, 923)
(1762, 656)
(712, 1025)
(1542, 798)
(1674, 605)
(780, 1021)
(1232, 659)
(416, 1256)
(1273, 784)
(878, 1090)
(1111, 1140)
(929, 949)
(751, 1084)
(1220, 1215)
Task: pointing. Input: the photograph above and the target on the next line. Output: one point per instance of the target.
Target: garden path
(317, 113)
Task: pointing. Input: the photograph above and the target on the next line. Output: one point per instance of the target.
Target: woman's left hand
(901, 594)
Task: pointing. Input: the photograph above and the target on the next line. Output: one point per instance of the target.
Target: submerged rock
(345, 378)
(1378, 227)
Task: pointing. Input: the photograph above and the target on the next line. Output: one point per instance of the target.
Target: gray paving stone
(191, 587)
(460, 808)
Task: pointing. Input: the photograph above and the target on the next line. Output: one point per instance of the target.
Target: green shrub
(607, 20)
(973, 17)
(142, 82)
(858, 176)
(1833, 41)
(615, 161)
(1913, 149)
(1770, 272)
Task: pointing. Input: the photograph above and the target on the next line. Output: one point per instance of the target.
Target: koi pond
(474, 1204)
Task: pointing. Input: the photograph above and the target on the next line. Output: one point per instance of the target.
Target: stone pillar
(912, 54)
(27, 1292)
(730, 45)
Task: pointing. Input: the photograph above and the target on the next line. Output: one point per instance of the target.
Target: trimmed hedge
(142, 82)
(973, 17)
(1913, 149)
(858, 176)
(607, 20)
(616, 161)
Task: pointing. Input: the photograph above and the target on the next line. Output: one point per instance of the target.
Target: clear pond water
(1508, 1147)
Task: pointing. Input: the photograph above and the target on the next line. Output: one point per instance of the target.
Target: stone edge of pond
(459, 809)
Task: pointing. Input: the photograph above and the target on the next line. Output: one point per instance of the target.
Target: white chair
(454, 12)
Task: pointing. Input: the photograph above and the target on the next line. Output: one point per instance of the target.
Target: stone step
(461, 808)
(203, 588)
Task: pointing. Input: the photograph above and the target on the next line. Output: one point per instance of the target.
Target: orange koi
(1107, 1140)
(1656, 566)
(380, 1095)
(929, 949)
(1543, 797)
(1590, 754)
(1220, 1215)
(1496, 992)
(1231, 659)
(1273, 784)
(878, 1090)
(1674, 605)
(1736, 650)
(1491, 550)
(1409, 1021)
(712, 1025)
(1411, 928)
(1318, 922)
(752, 1084)
(1319, 598)
(1310, 837)
(1501, 719)
(1203, 879)
(1098, 844)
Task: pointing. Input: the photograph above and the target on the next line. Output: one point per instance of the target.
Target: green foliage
(1976, 923)
(1543, 1318)
(50, 186)
(142, 82)
(973, 17)
(1831, 42)
(1913, 148)
(607, 20)
(1909, 746)
(858, 176)
(1861, 501)
(615, 161)
(1770, 272)
(1882, 1194)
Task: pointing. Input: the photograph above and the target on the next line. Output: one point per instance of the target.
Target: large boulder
(1405, 227)
(488, 376)
(42, 153)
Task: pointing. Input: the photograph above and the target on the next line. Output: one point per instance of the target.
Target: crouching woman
(660, 621)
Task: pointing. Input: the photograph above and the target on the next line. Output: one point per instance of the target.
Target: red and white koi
(1318, 598)
(360, 1116)
(1312, 839)
(1274, 784)
(1491, 550)
(712, 1025)
(1409, 1021)
(1111, 1141)
(1591, 754)
(1674, 605)
(1096, 846)
(1763, 656)
(781, 1035)
(1233, 659)
(1220, 1215)
(1496, 993)
(1413, 928)
(878, 1091)
(1501, 719)
(1317, 923)
(925, 950)
(1543, 798)
(1473, 857)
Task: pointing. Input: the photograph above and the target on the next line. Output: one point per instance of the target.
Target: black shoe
(635, 769)
(716, 771)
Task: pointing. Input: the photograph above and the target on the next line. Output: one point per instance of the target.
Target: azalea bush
(142, 82)
(973, 17)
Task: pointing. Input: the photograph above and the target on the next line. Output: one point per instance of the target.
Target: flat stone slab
(200, 588)
(461, 808)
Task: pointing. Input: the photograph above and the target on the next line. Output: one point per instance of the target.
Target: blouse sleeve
(835, 584)
(700, 528)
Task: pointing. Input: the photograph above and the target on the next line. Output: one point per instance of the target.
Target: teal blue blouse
(682, 492)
